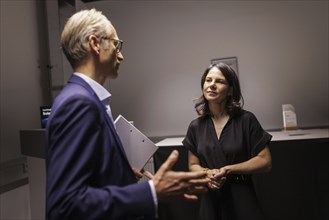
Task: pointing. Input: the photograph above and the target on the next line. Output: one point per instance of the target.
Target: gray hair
(74, 39)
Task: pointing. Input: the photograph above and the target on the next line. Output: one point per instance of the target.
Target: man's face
(110, 55)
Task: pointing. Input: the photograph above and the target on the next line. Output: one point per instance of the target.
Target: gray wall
(282, 50)
(23, 76)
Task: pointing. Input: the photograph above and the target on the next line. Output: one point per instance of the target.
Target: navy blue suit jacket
(88, 174)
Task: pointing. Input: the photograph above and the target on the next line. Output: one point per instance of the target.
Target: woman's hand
(216, 178)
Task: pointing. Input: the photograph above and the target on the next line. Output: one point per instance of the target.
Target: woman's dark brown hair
(234, 102)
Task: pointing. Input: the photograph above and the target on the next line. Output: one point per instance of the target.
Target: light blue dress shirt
(105, 97)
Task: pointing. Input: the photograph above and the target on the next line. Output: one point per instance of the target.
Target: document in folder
(139, 148)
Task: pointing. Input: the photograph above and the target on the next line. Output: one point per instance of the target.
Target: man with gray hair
(88, 174)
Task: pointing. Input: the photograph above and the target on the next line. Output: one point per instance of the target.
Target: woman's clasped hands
(216, 178)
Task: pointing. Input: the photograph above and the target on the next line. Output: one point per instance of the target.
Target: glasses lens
(118, 45)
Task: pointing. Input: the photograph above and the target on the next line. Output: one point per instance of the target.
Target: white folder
(139, 148)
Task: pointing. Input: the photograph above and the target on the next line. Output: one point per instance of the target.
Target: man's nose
(120, 56)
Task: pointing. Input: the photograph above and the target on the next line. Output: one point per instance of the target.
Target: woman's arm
(194, 162)
(261, 163)
(216, 177)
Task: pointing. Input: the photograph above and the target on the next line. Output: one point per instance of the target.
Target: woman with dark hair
(228, 143)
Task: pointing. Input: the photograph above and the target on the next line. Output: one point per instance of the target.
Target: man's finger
(147, 174)
(170, 162)
(196, 178)
(137, 173)
(188, 197)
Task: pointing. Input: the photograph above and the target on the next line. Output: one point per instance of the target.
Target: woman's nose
(212, 84)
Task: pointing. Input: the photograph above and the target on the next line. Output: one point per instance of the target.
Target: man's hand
(171, 184)
(140, 174)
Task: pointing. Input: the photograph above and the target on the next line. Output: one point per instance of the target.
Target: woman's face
(215, 87)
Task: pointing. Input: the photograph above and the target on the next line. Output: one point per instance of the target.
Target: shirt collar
(103, 95)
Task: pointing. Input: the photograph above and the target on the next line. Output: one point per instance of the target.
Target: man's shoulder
(74, 95)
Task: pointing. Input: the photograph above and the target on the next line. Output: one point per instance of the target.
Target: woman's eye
(221, 81)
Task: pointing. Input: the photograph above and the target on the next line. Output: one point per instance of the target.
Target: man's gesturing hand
(171, 184)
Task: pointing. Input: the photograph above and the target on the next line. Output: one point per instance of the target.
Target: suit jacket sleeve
(88, 177)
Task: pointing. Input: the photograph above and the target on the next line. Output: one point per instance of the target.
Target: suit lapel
(77, 80)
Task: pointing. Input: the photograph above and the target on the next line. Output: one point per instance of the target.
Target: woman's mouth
(211, 93)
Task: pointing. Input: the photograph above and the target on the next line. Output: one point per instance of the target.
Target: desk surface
(301, 134)
(32, 141)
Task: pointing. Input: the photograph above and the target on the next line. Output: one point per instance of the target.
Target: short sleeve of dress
(258, 138)
(189, 142)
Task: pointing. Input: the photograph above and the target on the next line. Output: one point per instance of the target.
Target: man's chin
(114, 75)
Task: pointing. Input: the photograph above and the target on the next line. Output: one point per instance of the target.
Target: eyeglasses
(117, 43)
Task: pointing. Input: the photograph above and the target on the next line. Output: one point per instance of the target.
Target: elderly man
(88, 175)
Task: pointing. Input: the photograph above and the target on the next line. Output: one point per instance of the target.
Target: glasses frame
(117, 43)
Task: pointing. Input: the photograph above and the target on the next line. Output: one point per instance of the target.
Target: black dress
(241, 139)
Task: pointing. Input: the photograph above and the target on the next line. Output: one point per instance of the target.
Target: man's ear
(94, 43)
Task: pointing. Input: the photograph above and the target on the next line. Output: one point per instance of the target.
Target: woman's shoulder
(199, 120)
(245, 115)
